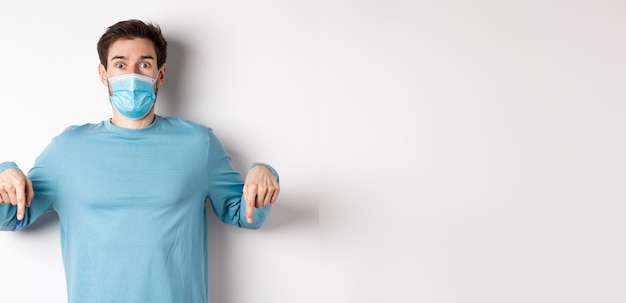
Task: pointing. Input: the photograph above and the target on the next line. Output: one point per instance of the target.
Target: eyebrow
(142, 57)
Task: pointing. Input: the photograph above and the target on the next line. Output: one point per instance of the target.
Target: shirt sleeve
(43, 179)
(225, 189)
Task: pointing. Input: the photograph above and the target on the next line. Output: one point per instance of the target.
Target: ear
(103, 75)
(161, 76)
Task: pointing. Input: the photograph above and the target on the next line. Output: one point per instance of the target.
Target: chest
(131, 178)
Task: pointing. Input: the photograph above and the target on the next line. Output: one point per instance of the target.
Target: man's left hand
(260, 189)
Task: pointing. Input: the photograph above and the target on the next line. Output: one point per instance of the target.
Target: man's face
(128, 56)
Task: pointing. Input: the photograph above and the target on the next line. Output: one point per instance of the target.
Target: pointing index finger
(249, 197)
(21, 202)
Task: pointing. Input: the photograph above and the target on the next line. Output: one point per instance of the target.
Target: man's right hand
(16, 189)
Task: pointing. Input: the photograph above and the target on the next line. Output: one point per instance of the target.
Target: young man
(131, 191)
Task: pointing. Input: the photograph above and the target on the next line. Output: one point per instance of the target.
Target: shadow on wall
(171, 99)
(290, 213)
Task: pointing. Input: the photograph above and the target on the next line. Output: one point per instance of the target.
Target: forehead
(135, 48)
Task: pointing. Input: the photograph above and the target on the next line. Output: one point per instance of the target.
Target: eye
(120, 65)
(144, 65)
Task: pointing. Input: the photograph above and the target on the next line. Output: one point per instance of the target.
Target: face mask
(133, 95)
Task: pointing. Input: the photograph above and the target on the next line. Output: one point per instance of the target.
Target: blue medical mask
(133, 95)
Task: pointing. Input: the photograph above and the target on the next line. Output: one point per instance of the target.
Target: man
(131, 191)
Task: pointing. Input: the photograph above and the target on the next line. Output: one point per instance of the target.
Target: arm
(234, 202)
(16, 194)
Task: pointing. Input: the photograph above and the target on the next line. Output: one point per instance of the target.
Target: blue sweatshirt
(131, 207)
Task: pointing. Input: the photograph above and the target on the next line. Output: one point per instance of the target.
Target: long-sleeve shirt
(131, 206)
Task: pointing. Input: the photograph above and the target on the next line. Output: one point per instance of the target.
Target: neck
(121, 121)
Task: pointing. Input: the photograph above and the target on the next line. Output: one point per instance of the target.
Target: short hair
(130, 29)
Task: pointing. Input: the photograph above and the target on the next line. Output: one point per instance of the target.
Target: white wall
(460, 151)
(476, 149)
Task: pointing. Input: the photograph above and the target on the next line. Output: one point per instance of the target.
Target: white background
(458, 151)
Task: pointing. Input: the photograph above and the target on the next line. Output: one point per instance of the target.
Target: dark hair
(130, 29)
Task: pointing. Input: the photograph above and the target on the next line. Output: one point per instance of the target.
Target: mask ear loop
(156, 89)
(109, 86)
